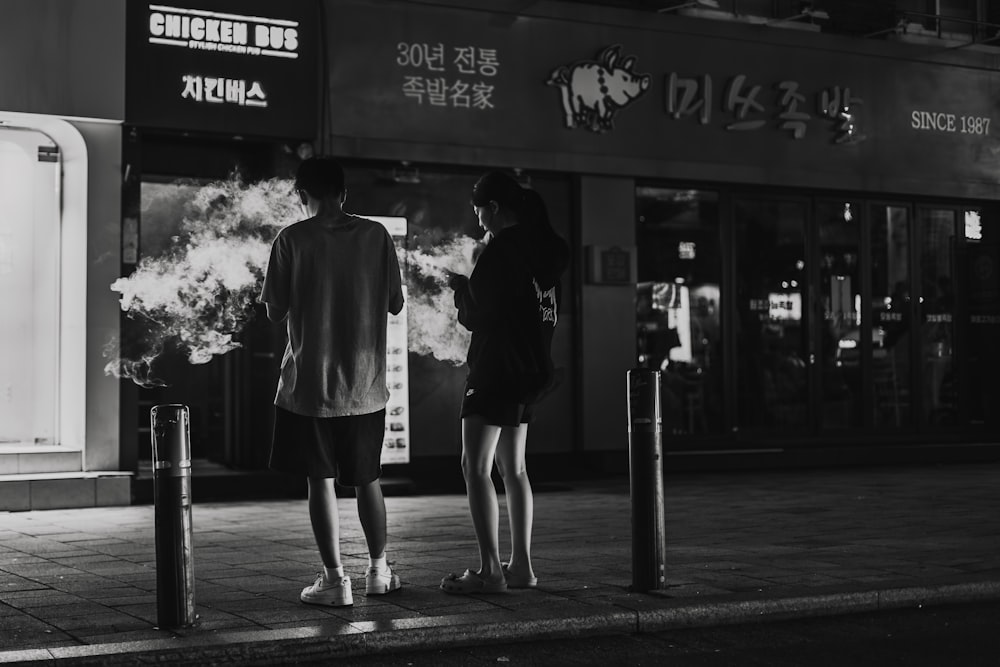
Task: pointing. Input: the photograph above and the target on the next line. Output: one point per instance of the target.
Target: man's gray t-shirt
(337, 282)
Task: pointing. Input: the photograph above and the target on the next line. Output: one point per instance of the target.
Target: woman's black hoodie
(511, 306)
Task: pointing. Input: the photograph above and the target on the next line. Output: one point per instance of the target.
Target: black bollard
(172, 497)
(645, 433)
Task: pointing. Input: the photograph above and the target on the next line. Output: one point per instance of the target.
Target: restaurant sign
(228, 33)
(657, 100)
(592, 91)
(237, 67)
(453, 75)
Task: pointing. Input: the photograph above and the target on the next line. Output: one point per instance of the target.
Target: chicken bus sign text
(241, 67)
(223, 32)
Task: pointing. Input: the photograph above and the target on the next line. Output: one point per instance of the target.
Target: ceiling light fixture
(807, 12)
(706, 4)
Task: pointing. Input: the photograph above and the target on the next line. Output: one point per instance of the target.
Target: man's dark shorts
(495, 409)
(347, 448)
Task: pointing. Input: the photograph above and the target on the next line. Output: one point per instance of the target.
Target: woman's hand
(456, 280)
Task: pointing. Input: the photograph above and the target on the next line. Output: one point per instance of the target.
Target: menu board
(396, 445)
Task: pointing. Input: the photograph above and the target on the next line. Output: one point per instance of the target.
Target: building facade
(797, 227)
(61, 112)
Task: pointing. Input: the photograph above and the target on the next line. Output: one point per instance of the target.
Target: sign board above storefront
(236, 67)
(658, 99)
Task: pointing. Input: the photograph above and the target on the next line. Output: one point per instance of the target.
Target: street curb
(736, 611)
(328, 641)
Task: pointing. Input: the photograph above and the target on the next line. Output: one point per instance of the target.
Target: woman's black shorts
(495, 409)
(346, 448)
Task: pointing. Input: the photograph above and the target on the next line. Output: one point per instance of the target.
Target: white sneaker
(330, 593)
(380, 582)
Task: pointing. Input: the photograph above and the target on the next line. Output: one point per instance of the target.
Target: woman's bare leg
(520, 500)
(479, 442)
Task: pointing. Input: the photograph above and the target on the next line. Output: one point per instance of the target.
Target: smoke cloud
(198, 294)
(433, 325)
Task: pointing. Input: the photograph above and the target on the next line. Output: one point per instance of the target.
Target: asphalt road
(943, 636)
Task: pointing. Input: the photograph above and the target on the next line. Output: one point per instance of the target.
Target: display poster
(396, 445)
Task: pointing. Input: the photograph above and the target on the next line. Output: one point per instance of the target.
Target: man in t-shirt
(333, 278)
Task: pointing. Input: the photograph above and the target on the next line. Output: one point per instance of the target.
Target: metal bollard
(645, 432)
(171, 434)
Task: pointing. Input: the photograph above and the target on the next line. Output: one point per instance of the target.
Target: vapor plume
(197, 295)
(433, 327)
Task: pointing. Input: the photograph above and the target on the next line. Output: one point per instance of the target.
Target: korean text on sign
(747, 108)
(217, 90)
(442, 76)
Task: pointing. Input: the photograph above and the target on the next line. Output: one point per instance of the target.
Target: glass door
(937, 251)
(837, 334)
(799, 344)
(30, 238)
(891, 316)
(679, 305)
(773, 352)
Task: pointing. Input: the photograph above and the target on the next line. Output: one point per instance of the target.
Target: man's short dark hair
(320, 177)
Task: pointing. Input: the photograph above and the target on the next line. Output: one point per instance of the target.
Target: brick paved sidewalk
(80, 584)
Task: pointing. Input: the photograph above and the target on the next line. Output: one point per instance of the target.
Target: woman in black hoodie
(510, 304)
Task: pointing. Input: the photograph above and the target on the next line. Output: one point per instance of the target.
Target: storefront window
(679, 304)
(937, 328)
(443, 232)
(441, 227)
(839, 343)
(891, 310)
(29, 288)
(771, 330)
(170, 376)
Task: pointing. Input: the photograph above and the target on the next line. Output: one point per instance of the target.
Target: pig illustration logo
(594, 90)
